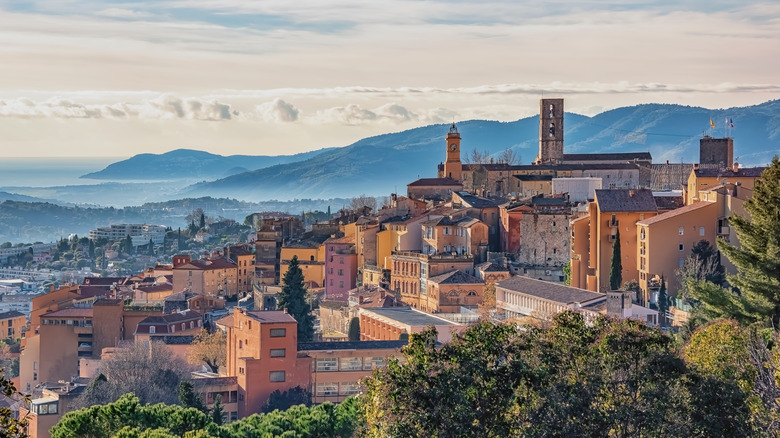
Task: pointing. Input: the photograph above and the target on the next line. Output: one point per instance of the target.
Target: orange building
(450, 291)
(612, 210)
(410, 272)
(215, 277)
(665, 242)
(389, 323)
(704, 178)
(244, 259)
(12, 324)
(186, 323)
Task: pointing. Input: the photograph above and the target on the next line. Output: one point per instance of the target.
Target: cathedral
(615, 170)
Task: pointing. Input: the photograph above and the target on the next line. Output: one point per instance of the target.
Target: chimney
(382, 294)
(285, 310)
(735, 167)
(360, 299)
(631, 193)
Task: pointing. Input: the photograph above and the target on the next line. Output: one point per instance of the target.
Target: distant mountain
(386, 163)
(190, 164)
(5, 196)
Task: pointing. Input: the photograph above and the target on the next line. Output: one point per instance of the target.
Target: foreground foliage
(128, 418)
(608, 379)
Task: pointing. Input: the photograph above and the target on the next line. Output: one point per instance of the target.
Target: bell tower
(453, 167)
(550, 131)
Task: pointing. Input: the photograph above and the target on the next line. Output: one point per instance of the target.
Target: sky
(268, 77)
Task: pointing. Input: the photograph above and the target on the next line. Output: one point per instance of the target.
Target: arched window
(552, 129)
(552, 107)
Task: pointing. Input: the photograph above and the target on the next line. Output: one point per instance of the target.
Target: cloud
(354, 114)
(164, 107)
(278, 111)
(122, 13)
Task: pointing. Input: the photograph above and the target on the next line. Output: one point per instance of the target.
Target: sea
(50, 171)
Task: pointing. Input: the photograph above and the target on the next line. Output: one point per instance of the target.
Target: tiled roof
(625, 200)
(487, 166)
(434, 182)
(478, 201)
(548, 291)
(669, 202)
(171, 318)
(216, 381)
(351, 345)
(103, 281)
(271, 316)
(156, 288)
(181, 296)
(675, 213)
(624, 156)
(577, 166)
(534, 177)
(107, 302)
(11, 314)
(455, 277)
(207, 265)
(73, 312)
(93, 291)
(742, 172)
(409, 316)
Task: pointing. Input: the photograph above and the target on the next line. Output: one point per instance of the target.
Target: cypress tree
(217, 411)
(202, 220)
(354, 329)
(663, 303)
(293, 298)
(616, 267)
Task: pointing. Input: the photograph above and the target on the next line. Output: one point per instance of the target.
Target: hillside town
(476, 240)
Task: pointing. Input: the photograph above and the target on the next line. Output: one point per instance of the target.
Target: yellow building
(215, 278)
(706, 178)
(311, 259)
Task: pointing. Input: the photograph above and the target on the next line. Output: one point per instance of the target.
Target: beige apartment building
(215, 278)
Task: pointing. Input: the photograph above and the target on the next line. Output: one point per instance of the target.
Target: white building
(140, 234)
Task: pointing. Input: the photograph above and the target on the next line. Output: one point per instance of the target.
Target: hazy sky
(116, 78)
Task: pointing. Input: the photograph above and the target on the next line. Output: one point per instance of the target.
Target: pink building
(340, 268)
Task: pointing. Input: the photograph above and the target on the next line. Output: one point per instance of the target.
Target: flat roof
(409, 316)
(351, 345)
(549, 291)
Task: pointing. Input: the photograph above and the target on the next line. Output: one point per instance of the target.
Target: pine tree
(616, 267)
(663, 303)
(202, 221)
(756, 293)
(293, 298)
(188, 398)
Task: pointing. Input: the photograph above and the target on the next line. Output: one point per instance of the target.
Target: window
(327, 364)
(276, 376)
(371, 363)
(152, 330)
(327, 388)
(349, 388)
(278, 352)
(681, 262)
(552, 129)
(351, 364)
(278, 333)
(341, 284)
(341, 260)
(701, 231)
(183, 326)
(682, 231)
(681, 246)
(341, 272)
(234, 416)
(240, 344)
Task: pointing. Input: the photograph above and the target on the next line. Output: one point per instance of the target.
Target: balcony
(724, 230)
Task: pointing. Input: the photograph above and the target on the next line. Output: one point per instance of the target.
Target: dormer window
(152, 330)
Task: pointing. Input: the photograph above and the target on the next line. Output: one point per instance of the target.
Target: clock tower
(452, 165)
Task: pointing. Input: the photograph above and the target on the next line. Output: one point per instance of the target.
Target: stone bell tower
(550, 131)
(453, 168)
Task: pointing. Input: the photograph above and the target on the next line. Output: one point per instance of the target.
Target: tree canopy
(612, 378)
(208, 348)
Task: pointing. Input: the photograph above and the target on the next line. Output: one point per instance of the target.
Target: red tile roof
(73, 312)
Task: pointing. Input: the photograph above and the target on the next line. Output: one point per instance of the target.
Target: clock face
(452, 147)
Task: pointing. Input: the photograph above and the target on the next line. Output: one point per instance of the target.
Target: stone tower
(550, 131)
(453, 167)
(716, 152)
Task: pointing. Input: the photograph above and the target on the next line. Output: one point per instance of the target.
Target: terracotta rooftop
(549, 291)
(205, 265)
(675, 213)
(156, 288)
(73, 312)
(409, 316)
(625, 200)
